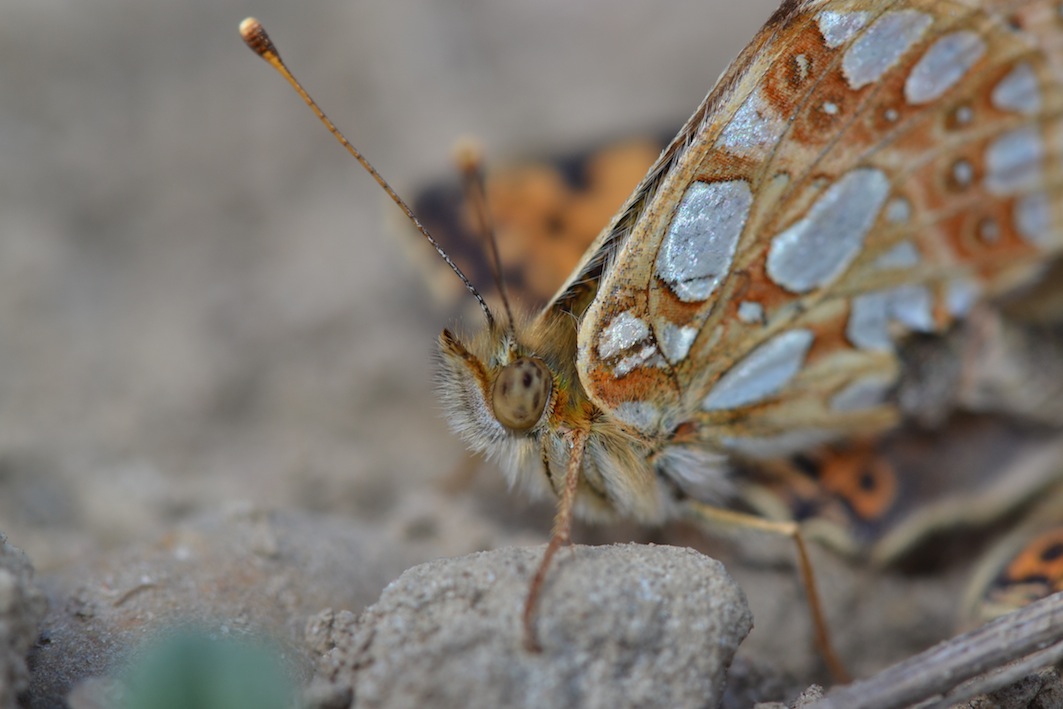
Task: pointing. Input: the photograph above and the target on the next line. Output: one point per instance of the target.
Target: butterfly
(865, 174)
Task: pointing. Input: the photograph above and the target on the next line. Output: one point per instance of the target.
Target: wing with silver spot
(862, 171)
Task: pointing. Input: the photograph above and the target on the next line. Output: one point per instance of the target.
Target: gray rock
(22, 606)
(623, 625)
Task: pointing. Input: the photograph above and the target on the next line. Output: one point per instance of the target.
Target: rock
(22, 605)
(623, 625)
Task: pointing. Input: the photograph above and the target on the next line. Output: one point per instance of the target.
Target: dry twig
(965, 666)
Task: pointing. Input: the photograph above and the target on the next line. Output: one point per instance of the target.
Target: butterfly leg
(701, 512)
(561, 535)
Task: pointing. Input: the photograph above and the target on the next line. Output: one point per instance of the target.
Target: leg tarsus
(561, 535)
(719, 516)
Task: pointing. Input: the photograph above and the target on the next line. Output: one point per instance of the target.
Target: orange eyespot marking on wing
(865, 481)
(1035, 572)
(1041, 562)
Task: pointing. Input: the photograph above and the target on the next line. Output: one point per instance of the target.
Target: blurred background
(201, 297)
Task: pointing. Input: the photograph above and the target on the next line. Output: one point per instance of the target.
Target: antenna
(468, 156)
(254, 35)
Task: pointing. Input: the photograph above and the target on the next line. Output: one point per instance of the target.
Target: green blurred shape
(195, 669)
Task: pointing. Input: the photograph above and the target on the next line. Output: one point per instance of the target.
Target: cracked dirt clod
(623, 625)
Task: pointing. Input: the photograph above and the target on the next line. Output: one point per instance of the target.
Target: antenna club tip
(468, 154)
(255, 37)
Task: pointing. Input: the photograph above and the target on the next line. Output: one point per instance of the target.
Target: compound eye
(521, 392)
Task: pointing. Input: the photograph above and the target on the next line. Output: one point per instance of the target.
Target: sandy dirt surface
(204, 308)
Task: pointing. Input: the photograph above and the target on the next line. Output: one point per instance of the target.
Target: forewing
(863, 171)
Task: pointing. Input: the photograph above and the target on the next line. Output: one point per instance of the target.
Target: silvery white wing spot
(863, 171)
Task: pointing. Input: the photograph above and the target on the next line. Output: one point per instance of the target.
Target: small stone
(623, 625)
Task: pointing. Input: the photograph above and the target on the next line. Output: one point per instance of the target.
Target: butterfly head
(520, 393)
(497, 394)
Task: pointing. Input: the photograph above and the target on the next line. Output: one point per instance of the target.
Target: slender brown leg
(715, 515)
(561, 535)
